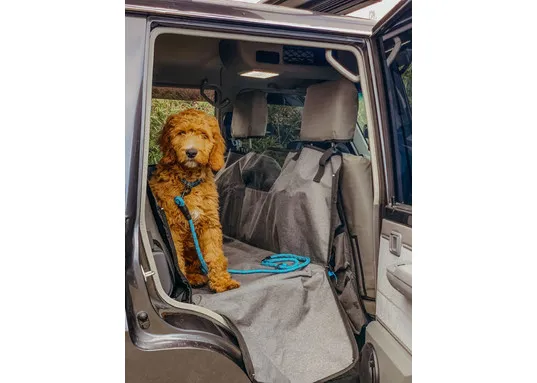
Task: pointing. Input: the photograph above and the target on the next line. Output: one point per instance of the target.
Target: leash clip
(186, 191)
(189, 186)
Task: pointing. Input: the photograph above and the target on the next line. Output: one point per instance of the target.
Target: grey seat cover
(252, 170)
(356, 184)
(292, 216)
(290, 322)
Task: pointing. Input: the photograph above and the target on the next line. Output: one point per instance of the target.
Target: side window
(166, 101)
(362, 117)
(407, 80)
(397, 56)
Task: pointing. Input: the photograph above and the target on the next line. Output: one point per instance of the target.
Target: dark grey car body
(189, 347)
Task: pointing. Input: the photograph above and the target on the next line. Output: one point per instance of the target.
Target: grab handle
(221, 104)
(340, 68)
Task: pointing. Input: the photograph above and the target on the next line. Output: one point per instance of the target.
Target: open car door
(387, 354)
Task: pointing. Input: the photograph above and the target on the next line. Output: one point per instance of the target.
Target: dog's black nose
(191, 153)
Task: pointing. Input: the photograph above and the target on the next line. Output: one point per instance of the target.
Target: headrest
(330, 112)
(250, 115)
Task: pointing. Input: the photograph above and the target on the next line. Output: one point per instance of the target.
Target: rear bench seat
(292, 210)
(299, 208)
(295, 209)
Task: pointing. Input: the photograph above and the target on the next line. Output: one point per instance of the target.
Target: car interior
(310, 194)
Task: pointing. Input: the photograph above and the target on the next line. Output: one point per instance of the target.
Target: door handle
(395, 243)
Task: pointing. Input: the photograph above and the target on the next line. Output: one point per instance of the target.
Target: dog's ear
(216, 157)
(168, 154)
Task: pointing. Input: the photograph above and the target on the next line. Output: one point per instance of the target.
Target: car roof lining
(186, 61)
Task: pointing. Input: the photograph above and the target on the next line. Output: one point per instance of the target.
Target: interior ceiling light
(259, 74)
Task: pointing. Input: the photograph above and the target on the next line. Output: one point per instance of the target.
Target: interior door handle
(400, 277)
(395, 243)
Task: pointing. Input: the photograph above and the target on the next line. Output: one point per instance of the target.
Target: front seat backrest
(250, 115)
(330, 112)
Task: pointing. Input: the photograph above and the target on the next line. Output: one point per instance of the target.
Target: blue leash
(182, 206)
(280, 263)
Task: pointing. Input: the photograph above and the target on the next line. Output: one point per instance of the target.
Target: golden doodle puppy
(193, 148)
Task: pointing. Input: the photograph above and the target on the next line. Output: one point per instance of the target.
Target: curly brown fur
(193, 130)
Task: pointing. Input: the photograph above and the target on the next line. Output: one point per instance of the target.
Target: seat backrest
(250, 115)
(321, 205)
(330, 112)
(295, 214)
(330, 116)
(254, 171)
(249, 120)
(356, 186)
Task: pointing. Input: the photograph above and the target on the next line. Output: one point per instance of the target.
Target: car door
(387, 353)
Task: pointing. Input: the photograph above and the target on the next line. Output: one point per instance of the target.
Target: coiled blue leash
(279, 263)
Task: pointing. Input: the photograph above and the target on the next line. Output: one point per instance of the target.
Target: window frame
(397, 210)
(158, 26)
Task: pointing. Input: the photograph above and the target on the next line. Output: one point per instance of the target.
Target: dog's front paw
(196, 280)
(221, 285)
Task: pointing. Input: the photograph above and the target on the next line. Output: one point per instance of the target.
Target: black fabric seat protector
(182, 290)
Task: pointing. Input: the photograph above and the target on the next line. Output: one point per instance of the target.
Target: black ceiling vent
(267, 57)
(304, 56)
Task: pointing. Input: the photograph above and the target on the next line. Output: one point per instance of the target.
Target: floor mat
(290, 322)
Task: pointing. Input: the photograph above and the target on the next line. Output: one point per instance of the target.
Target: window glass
(407, 80)
(283, 127)
(398, 76)
(362, 117)
(168, 101)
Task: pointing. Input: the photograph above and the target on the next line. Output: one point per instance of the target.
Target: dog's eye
(181, 133)
(203, 135)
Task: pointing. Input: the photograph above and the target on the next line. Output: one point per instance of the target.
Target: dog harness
(279, 263)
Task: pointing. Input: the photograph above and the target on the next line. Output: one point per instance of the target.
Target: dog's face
(192, 138)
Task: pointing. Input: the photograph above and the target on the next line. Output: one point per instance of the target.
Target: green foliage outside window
(407, 80)
(283, 126)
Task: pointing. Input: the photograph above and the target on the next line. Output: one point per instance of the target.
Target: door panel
(179, 366)
(394, 309)
(388, 361)
(388, 348)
